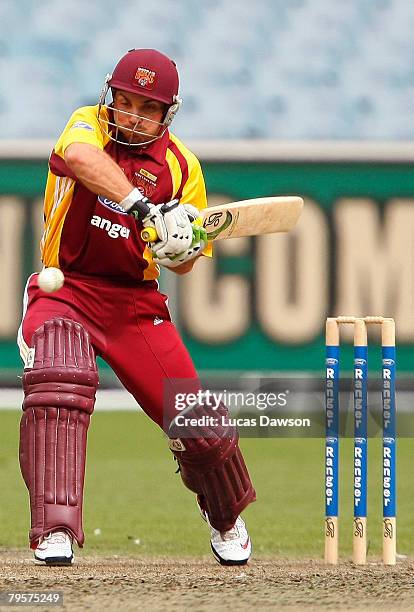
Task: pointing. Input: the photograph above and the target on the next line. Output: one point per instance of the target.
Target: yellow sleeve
(194, 193)
(84, 127)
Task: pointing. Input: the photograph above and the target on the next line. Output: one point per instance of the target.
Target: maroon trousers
(129, 327)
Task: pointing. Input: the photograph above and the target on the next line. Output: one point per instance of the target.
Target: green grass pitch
(138, 503)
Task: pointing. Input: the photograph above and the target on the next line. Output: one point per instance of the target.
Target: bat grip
(149, 234)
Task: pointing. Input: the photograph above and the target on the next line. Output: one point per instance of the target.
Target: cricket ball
(50, 279)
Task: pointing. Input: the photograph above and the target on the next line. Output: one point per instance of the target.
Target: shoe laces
(231, 534)
(56, 537)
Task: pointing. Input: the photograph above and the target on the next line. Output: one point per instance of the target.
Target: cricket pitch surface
(165, 583)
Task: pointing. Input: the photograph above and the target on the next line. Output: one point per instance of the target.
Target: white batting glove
(192, 211)
(196, 248)
(175, 233)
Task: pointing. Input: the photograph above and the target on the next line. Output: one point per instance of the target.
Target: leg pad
(211, 463)
(59, 399)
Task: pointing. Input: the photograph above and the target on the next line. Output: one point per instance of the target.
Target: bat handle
(149, 234)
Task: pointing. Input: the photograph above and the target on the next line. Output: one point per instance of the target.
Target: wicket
(360, 381)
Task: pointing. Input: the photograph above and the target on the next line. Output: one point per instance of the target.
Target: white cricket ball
(50, 279)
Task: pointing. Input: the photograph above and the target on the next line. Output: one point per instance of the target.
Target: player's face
(136, 116)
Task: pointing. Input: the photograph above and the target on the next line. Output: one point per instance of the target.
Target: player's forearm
(97, 171)
(184, 268)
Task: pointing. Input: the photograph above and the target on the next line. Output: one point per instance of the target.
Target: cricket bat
(245, 218)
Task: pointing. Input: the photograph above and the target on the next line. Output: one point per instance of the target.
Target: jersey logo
(83, 126)
(114, 230)
(148, 175)
(145, 78)
(111, 205)
(144, 183)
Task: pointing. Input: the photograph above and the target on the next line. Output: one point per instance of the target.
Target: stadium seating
(281, 69)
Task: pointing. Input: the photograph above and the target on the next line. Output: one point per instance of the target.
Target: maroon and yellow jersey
(92, 235)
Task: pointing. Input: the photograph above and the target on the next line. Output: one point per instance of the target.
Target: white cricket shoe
(232, 547)
(55, 549)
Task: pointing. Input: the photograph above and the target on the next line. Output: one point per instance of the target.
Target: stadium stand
(296, 69)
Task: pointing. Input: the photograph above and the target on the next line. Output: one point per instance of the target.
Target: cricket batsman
(116, 169)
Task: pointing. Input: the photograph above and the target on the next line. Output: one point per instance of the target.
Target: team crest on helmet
(145, 78)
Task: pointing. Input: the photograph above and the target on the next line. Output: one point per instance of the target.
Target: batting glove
(198, 244)
(174, 229)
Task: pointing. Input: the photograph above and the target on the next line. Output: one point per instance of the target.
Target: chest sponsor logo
(114, 230)
(111, 205)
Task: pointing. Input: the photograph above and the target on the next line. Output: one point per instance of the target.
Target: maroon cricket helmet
(147, 72)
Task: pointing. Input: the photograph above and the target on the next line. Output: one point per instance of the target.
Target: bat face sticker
(217, 222)
(254, 217)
